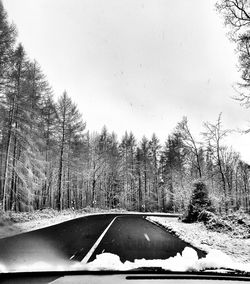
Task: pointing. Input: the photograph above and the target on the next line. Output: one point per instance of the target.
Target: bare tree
(190, 143)
(214, 135)
(237, 17)
(235, 12)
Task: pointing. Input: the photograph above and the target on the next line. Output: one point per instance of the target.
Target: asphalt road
(133, 237)
(129, 236)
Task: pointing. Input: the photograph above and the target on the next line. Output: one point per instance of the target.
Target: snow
(185, 261)
(16, 223)
(224, 251)
(12, 223)
(22, 227)
(199, 236)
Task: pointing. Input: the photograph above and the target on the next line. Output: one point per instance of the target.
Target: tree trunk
(140, 192)
(13, 179)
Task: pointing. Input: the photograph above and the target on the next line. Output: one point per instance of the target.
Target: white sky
(136, 65)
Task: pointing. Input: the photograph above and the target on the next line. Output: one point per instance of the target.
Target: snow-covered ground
(11, 229)
(199, 236)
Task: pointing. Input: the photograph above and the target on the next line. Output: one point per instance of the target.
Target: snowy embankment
(199, 236)
(16, 223)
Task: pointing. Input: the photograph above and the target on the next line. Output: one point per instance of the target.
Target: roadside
(199, 236)
(194, 233)
(12, 223)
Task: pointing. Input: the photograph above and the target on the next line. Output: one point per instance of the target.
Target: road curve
(129, 236)
(133, 237)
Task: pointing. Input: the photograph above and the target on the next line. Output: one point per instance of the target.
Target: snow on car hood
(186, 261)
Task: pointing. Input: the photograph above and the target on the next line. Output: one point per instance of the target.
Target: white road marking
(76, 253)
(88, 255)
(147, 237)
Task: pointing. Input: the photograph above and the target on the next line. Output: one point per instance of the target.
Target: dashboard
(129, 278)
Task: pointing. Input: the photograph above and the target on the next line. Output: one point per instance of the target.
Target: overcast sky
(136, 65)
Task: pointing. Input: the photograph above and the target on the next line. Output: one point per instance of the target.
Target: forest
(49, 159)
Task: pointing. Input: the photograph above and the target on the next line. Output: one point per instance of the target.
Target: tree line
(48, 159)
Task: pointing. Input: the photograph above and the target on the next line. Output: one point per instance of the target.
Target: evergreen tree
(69, 125)
(7, 40)
(199, 202)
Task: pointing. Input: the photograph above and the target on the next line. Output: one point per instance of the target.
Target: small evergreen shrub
(200, 206)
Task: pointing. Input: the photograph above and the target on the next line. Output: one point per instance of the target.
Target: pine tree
(139, 165)
(7, 40)
(69, 125)
(13, 102)
(199, 203)
(154, 156)
(47, 125)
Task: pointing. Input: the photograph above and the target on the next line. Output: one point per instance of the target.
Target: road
(129, 236)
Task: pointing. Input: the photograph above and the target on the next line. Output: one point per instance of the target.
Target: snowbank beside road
(12, 223)
(10, 229)
(199, 236)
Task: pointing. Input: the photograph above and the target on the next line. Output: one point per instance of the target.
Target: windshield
(124, 138)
